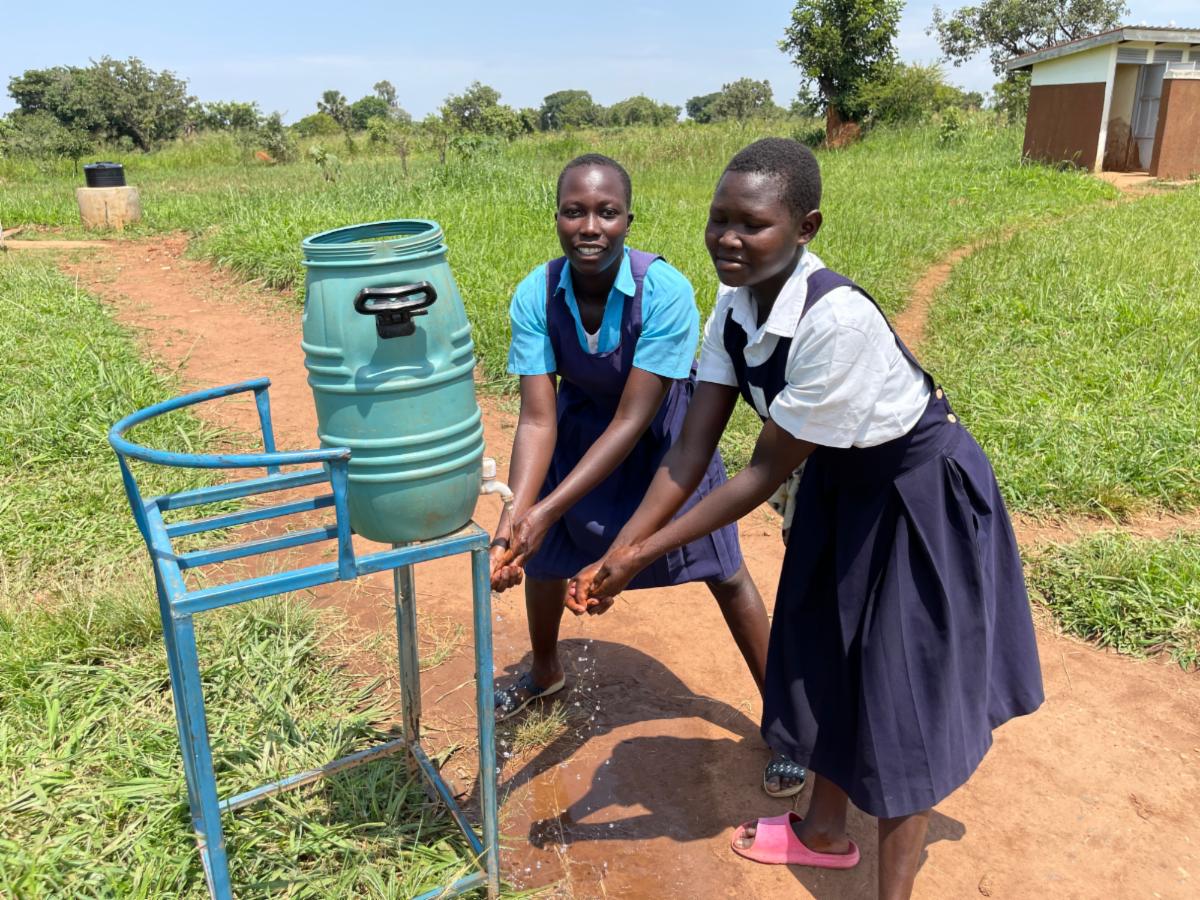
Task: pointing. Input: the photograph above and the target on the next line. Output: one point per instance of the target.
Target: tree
(699, 109)
(147, 106)
(386, 91)
(911, 93)
(227, 116)
(316, 124)
(367, 108)
(62, 92)
(478, 110)
(568, 109)
(109, 99)
(641, 110)
(334, 105)
(394, 134)
(743, 99)
(41, 136)
(1008, 28)
(839, 44)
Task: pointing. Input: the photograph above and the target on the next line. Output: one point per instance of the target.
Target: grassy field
(893, 203)
(1072, 352)
(1134, 595)
(92, 802)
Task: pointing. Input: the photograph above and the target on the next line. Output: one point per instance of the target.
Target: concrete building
(1126, 100)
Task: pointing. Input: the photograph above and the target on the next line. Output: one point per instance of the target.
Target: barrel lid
(374, 242)
(104, 165)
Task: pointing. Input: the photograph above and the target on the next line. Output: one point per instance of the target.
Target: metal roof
(1116, 35)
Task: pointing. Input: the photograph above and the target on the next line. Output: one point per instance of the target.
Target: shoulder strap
(554, 270)
(822, 281)
(639, 263)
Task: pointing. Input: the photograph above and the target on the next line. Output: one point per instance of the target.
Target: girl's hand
(504, 573)
(600, 583)
(578, 588)
(528, 532)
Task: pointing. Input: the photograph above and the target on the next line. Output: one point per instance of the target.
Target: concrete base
(108, 207)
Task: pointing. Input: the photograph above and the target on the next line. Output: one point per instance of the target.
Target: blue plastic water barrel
(390, 359)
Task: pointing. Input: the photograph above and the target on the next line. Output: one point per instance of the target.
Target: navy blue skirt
(902, 633)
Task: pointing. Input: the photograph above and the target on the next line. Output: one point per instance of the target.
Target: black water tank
(104, 174)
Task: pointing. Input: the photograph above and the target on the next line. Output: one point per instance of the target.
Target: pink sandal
(775, 842)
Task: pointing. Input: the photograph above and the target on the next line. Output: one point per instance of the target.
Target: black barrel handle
(394, 306)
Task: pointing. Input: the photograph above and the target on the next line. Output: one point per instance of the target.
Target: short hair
(791, 162)
(601, 161)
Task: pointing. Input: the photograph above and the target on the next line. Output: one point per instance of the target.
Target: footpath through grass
(92, 800)
(1072, 352)
(1135, 595)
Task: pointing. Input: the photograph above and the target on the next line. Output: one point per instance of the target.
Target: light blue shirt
(670, 321)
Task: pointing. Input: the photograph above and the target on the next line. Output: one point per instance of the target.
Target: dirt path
(1093, 796)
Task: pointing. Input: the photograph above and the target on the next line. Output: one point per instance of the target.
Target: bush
(276, 140)
(1011, 97)
(950, 129)
(330, 165)
(319, 124)
(40, 136)
(910, 93)
(811, 134)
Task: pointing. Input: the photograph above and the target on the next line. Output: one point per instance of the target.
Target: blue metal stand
(178, 605)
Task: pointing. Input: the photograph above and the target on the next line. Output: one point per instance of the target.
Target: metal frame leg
(182, 725)
(194, 741)
(406, 648)
(485, 713)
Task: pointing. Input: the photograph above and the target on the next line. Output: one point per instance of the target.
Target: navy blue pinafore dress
(902, 634)
(589, 391)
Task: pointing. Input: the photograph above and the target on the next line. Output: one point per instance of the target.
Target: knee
(737, 586)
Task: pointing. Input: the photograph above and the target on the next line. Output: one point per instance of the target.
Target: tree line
(844, 51)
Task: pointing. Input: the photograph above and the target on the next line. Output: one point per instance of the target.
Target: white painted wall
(1124, 91)
(1078, 68)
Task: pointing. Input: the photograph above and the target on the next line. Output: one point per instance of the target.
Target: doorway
(1145, 110)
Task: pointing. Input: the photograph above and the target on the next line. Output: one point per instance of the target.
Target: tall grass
(92, 799)
(1073, 353)
(893, 204)
(1135, 595)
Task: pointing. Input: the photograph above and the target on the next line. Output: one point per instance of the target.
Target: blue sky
(283, 55)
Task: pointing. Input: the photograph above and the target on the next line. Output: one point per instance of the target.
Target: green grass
(1136, 595)
(92, 799)
(893, 204)
(67, 373)
(1073, 354)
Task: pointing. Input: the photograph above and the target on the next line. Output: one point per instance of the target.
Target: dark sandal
(518, 695)
(781, 767)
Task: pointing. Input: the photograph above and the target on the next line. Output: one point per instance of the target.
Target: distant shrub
(41, 136)
(275, 139)
(907, 93)
(811, 134)
(330, 165)
(319, 124)
(1011, 97)
(951, 126)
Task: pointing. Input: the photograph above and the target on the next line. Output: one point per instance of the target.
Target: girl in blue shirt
(604, 340)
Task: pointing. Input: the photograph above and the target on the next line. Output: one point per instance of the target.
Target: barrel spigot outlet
(492, 486)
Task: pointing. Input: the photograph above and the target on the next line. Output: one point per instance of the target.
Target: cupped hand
(595, 589)
(504, 574)
(579, 588)
(528, 532)
(618, 568)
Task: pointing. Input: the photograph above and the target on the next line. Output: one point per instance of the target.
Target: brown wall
(1064, 122)
(1177, 139)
